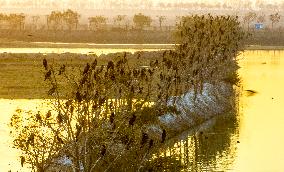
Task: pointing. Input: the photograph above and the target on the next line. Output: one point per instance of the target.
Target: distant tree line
(251, 16)
(70, 20)
(13, 21)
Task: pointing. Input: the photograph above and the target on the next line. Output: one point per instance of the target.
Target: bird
(78, 96)
(250, 92)
(51, 91)
(164, 135)
(144, 139)
(62, 69)
(94, 64)
(47, 75)
(44, 62)
(132, 120)
(59, 118)
(79, 129)
(111, 118)
(103, 150)
(110, 65)
(31, 139)
(22, 160)
(38, 117)
(48, 114)
(151, 143)
(86, 69)
(59, 140)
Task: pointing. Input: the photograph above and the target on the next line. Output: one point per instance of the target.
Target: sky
(93, 4)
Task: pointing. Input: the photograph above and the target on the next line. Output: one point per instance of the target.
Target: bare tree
(35, 21)
(141, 21)
(55, 20)
(161, 20)
(71, 19)
(119, 20)
(248, 18)
(96, 22)
(260, 18)
(274, 18)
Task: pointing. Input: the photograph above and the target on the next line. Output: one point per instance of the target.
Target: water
(97, 51)
(89, 48)
(251, 140)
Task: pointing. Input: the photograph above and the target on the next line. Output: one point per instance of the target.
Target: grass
(22, 75)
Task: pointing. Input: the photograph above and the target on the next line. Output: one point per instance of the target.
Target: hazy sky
(82, 4)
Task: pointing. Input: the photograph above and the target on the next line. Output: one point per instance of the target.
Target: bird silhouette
(44, 62)
(144, 139)
(164, 135)
(48, 114)
(151, 143)
(103, 150)
(22, 160)
(132, 120)
(111, 118)
(47, 75)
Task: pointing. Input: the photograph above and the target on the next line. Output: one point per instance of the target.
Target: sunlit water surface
(97, 51)
(251, 140)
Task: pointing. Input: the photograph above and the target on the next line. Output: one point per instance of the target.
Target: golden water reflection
(251, 140)
(97, 51)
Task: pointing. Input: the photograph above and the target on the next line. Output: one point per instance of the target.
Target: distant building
(258, 26)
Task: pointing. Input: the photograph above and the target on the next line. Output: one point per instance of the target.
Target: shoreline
(90, 45)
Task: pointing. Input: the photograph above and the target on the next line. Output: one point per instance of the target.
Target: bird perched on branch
(132, 120)
(144, 139)
(164, 135)
(44, 62)
(103, 150)
(47, 75)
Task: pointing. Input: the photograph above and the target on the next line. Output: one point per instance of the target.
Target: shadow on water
(211, 146)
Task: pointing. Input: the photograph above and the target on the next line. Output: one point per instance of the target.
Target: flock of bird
(108, 103)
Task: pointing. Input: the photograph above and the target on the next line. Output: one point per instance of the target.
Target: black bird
(110, 65)
(238, 141)
(79, 129)
(144, 139)
(103, 150)
(94, 64)
(38, 117)
(132, 120)
(59, 118)
(51, 91)
(47, 75)
(78, 96)
(151, 143)
(31, 139)
(250, 92)
(48, 114)
(59, 140)
(86, 69)
(164, 135)
(22, 161)
(111, 118)
(44, 62)
(61, 70)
